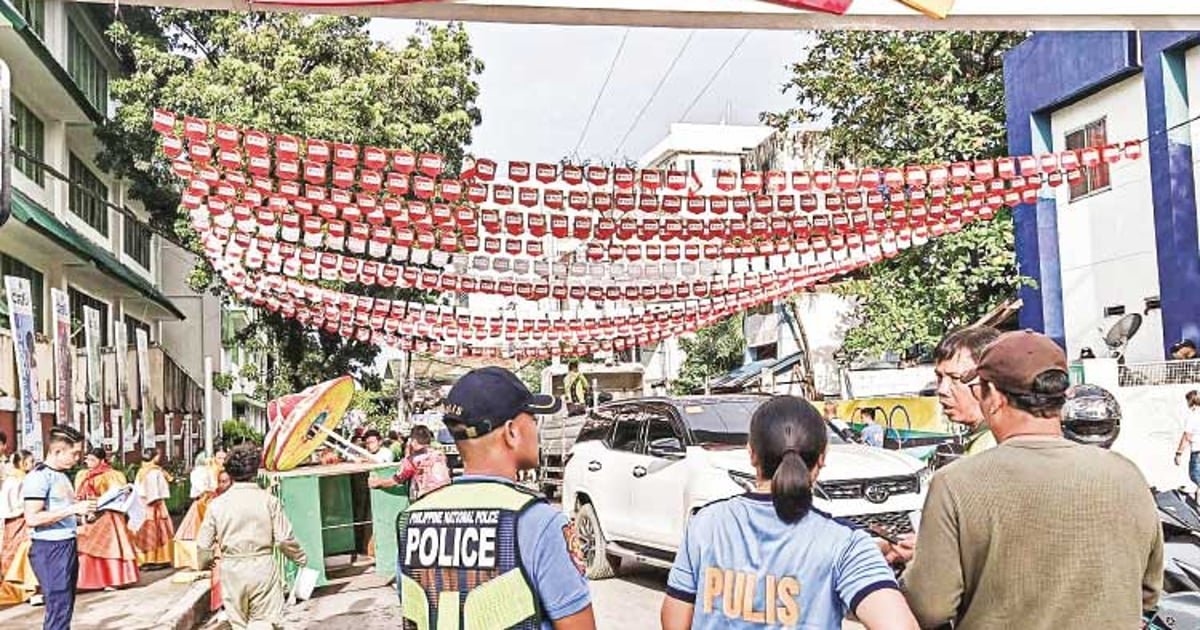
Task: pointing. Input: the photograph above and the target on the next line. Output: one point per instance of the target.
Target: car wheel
(600, 565)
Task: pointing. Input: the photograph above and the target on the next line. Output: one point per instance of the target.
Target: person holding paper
(52, 511)
(107, 557)
(154, 539)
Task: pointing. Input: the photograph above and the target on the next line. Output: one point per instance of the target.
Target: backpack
(432, 473)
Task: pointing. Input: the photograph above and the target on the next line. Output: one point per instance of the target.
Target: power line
(715, 74)
(657, 88)
(603, 87)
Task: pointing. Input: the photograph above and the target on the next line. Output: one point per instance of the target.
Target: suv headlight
(746, 482)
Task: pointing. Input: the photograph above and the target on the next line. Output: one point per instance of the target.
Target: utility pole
(6, 152)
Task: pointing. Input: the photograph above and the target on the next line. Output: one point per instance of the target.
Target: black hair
(421, 435)
(99, 453)
(20, 456)
(869, 412)
(63, 434)
(1048, 395)
(573, 364)
(242, 462)
(393, 435)
(974, 338)
(788, 436)
(372, 433)
(1193, 398)
(3, 437)
(149, 454)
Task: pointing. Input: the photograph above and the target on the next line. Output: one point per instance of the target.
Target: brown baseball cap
(1015, 359)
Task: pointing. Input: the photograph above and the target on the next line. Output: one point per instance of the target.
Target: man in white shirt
(373, 442)
(1191, 438)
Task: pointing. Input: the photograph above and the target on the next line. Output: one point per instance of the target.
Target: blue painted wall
(1051, 70)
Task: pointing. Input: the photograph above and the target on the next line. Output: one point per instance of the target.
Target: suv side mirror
(667, 448)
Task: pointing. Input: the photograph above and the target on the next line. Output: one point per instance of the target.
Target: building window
(78, 301)
(29, 136)
(132, 325)
(10, 266)
(1095, 178)
(34, 12)
(84, 66)
(89, 196)
(137, 241)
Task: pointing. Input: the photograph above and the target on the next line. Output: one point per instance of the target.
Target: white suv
(640, 468)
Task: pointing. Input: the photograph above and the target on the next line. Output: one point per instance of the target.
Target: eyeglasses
(942, 377)
(975, 384)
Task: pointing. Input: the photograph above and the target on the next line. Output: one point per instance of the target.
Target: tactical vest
(459, 566)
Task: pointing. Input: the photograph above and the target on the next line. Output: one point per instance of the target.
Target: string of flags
(276, 212)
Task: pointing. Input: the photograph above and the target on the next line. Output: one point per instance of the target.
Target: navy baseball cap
(486, 398)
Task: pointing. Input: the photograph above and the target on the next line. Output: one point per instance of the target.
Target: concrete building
(75, 228)
(1124, 240)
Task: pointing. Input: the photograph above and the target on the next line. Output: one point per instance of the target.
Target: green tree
(713, 351)
(894, 98)
(321, 77)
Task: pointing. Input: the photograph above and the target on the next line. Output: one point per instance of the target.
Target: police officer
(483, 550)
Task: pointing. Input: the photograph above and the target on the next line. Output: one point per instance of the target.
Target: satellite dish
(1121, 332)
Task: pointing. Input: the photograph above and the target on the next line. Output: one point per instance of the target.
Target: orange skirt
(184, 554)
(14, 559)
(154, 540)
(107, 557)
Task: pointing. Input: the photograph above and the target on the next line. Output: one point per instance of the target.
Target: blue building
(1124, 239)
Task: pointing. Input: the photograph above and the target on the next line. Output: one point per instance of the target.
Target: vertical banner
(20, 315)
(91, 341)
(127, 430)
(64, 383)
(143, 360)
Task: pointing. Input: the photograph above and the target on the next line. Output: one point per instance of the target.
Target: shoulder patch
(574, 548)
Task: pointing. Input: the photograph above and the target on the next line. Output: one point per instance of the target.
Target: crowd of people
(1028, 529)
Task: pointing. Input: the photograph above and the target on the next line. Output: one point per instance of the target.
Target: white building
(75, 228)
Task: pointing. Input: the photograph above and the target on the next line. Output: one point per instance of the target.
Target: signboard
(64, 364)
(91, 342)
(20, 316)
(143, 360)
(759, 14)
(127, 430)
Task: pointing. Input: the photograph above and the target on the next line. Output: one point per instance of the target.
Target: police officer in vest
(484, 553)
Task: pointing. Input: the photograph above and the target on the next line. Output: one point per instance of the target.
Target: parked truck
(557, 433)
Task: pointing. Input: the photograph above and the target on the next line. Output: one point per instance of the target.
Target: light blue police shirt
(743, 567)
(55, 488)
(541, 535)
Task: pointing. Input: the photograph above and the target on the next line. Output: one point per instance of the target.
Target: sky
(541, 82)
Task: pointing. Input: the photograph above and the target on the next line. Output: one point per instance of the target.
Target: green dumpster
(334, 513)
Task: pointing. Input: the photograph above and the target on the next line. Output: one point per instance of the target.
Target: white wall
(826, 317)
(1106, 240)
(1152, 421)
(188, 341)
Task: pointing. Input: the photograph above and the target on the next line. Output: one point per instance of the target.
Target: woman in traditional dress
(107, 557)
(19, 580)
(203, 481)
(153, 540)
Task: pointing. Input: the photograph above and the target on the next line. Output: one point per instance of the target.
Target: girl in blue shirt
(768, 559)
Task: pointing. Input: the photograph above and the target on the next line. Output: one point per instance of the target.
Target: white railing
(1160, 373)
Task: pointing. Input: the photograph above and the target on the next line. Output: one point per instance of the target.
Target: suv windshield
(726, 422)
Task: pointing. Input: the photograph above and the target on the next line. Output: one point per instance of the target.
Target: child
(424, 466)
(246, 524)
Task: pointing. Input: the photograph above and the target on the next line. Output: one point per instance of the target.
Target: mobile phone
(882, 532)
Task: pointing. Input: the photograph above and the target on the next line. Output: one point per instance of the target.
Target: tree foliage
(320, 77)
(713, 351)
(895, 98)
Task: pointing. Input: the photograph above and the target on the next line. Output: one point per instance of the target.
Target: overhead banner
(91, 341)
(64, 367)
(128, 430)
(20, 315)
(143, 360)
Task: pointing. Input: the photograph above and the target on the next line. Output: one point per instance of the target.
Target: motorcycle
(1179, 607)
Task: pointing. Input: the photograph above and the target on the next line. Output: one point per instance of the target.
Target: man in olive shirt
(1039, 532)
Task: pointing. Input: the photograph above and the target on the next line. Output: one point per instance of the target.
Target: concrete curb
(189, 611)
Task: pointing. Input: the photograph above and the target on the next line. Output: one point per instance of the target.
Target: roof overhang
(756, 14)
(28, 56)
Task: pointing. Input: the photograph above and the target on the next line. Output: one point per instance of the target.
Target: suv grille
(894, 522)
(856, 488)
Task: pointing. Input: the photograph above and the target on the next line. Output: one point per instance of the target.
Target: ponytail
(788, 436)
